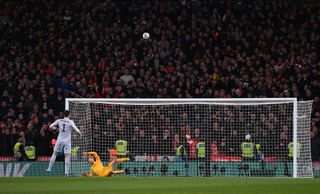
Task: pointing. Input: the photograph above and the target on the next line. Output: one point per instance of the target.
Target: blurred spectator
(7, 142)
(153, 146)
(43, 142)
(166, 143)
(141, 143)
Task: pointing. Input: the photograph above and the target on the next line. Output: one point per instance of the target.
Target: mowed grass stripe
(152, 185)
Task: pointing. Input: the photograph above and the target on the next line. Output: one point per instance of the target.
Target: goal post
(232, 137)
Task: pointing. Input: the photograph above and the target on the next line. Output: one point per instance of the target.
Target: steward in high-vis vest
(181, 153)
(290, 150)
(18, 150)
(121, 147)
(259, 153)
(30, 151)
(74, 152)
(247, 149)
(16, 147)
(201, 149)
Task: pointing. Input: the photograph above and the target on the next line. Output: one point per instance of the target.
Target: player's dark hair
(66, 113)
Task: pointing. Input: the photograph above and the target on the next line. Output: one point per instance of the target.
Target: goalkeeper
(97, 168)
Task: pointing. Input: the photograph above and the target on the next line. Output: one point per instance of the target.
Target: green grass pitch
(152, 185)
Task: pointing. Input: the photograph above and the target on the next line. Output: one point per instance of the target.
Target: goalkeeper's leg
(119, 160)
(109, 169)
(122, 159)
(109, 173)
(118, 171)
(111, 164)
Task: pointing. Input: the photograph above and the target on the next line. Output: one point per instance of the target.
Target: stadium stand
(240, 49)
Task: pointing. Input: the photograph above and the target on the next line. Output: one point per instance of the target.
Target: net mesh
(304, 166)
(194, 139)
(81, 112)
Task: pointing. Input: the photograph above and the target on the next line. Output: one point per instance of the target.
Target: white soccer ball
(145, 35)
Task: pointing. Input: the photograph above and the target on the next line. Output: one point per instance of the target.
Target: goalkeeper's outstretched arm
(95, 155)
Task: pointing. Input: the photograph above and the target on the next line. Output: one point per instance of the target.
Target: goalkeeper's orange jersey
(97, 168)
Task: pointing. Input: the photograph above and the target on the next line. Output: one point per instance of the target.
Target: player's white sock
(52, 160)
(66, 165)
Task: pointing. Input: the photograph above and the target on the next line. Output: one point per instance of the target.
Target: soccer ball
(145, 35)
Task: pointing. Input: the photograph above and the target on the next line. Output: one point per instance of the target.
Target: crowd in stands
(197, 49)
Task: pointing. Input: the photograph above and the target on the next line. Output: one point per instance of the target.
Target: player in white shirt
(65, 127)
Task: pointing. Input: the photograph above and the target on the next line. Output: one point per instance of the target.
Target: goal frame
(222, 101)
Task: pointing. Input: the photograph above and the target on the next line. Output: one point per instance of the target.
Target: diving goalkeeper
(97, 168)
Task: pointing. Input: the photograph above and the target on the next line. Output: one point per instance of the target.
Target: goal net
(195, 137)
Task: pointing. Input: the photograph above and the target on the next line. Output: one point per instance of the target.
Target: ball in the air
(145, 35)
